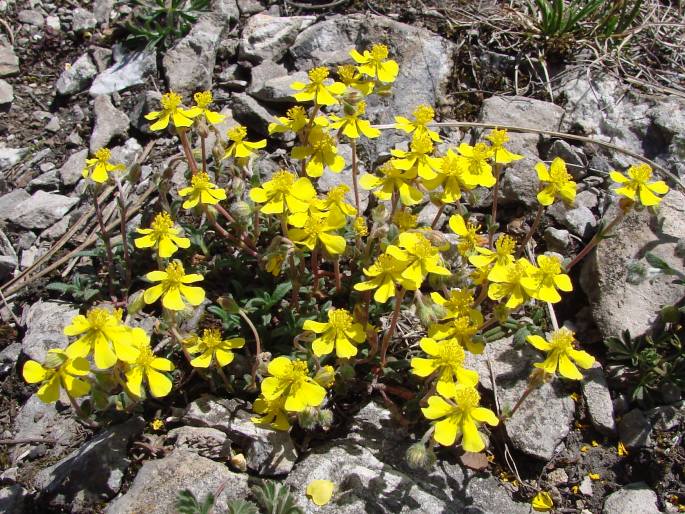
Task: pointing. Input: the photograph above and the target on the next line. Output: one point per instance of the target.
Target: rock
(102, 10)
(77, 77)
(110, 123)
(8, 201)
(57, 230)
(599, 405)
(158, 482)
(557, 240)
(28, 257)
(6, 248)
(329, 179)
(578, 219)
(9, 62)
(7, 267)
(666, 417)
(82, 20)
(206, 442)
(53, 25)
(635, 498)
(557, 476)
(190, 64)
(6, 92)
(129, 70)
(41, 210)
(72, 170)
(127, 153)
(277, 90)
(618, 305)
(13, 499)
(11, 156)
(45, 322)
(31, 17)
(586, 486)
(634, 429)
(544, 418)
(53, 125)
(93, 473)
(576, 162)
(261, 74)
(668, 123)
(247, 111)
(249, 7)
(268, 452)
(46, 181)
(40, 420)
(227, 9)
(267, 38)
(149, 101)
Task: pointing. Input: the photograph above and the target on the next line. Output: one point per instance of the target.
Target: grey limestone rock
(77, 77)
(130, 69)
(267, 38)
(6, 92)
(9, 62)
(45, 322)
(635, 498)
(110, 123)
(72, 170)
(635, 429)
(598, 400)
(41, 210)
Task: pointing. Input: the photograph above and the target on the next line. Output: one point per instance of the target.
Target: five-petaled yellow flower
(150, 368)
(171, 110)
(321, 152)
(542, 502)
(423, 115)
(501, 155)
(421, 257)
(352, 125)
(393, 179)
(636, 185)
(561, 354)
(320, 491)
(101, 332)
(385, 275)
(99, 168)
(284, 193)
(556, 182)
(203, 100)
(295, 119)
(212, 348)
(469, 239)
(314, 228)
(352, 78)
(317, 90)
(477, 165)
(542, 282)
(453, 176)
(239, 148)
(418, 156)
(341, 334)
(446, 359)
(290, 379)
(509, 282)
(273, 413)
(460, 417)
(201, 191)
(375, 63)
(162, 235)
(61, 369)
(501, 257)
(173, 289)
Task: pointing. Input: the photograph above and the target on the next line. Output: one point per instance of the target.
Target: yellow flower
(320, 491)
(61, 369)
(274, 264)
(314, 228)
(557, 183)
(352, 126)
(542, 282)
(621, 449)
(98, 169)
(561, 354)
(469, 239)
(375, 63)
(321, 151)
(594, 476)
(273, 413)
(340, 333)
(212, 348)
(173, 289)
(636, 186)
(509, 282)
(239, 148)
(421, 257)
(423, 115)
(458, 303)
(171, 109)
(162, 235)
(350, 76)
(316, 90)
(284, 193)
(295, 119)
(405, 220)
(453, 176)
(501, 257)
(203, 100)
(201, 191)
(393, 179)
(458, 418)
(501, 155)
(157, 424)
(542, 502)
(102, 333)
(360, 227)
(477, 166)
(418, 156)
(447, 360)
(461, 328)
(149, 367)
(385, 275)
(290, 380)
(335, 201)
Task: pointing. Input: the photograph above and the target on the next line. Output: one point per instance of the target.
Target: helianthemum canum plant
(339, 274)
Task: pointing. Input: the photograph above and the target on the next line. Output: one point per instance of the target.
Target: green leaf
(241, 507)
(280, 292)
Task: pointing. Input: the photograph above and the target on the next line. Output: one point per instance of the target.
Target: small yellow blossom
(239, 148)
(542, 502)
(295, 119)
(352, 125)
(501, 155)
(99, 168)
(341, 334)
(321, 152)
(290, 379)
(447, 358)
(314, 228)
(459, 302)
(453, 176)
(509, 282)
(636, 185)
(542, 282)
(352, 78)
(375, 63)
(461, 328)
(273, 413)
(61, 369)
(171, 110)
(556, 182)
(621, 449)
(201, 191)
(203, 100)
(212, 348)
(500, 258)
(335, 201)
(150, 368)
(360, 227)
(162, 235)
(418, 156)
(405, 220)
(594, 443)
(421, 257)
(157, 424)
(320, 491)
(469, 239)
(575, 397)
(423, 115)
(584, 449)
(393, 179)
(173, 289)
(562, 354)
(317, 90)
(384, 274)
(284, 193)
(594, 476)
(477, 165)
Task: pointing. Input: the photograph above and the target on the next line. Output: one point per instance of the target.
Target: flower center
(298, 373)
(337, 194)
(203, 99)
(422, 144)
(162, 223)
(296, 113)
(283, 180)
(405, 219)
(314, 225)
(423, 114)
(103, 155)
(498, 138)
(323, 142)
(505, 245)
(451, 166)
(98, 317)
(360, 227)
(640, 173)
(467, 398)
(559, 175)
(361, 109)
(550, 266)
(452, 354)
(340, 319)
(175, 272)
(200, 181)
(423, 248)
(346, 72)
(237, 134)
(460, 301)
(379, 52)
(145, 357)
(481, 152)
(318, 75)
(562, 339)
(211, 337)
(170, 101)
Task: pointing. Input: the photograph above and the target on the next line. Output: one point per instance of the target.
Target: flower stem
(121, 201)
(315, 271)
(257, 341)
(437, 216)
(495, 195)
(338, 277)
(393, 324)
(602, 234)
(106, 240)
(533, 228)
(204, 153)
(357, 202)
(183, 137)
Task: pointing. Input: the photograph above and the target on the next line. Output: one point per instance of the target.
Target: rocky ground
(68, 86)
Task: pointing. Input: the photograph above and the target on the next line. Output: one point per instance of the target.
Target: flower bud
(501, 312)
(379, 214)
(346, 372)
(54, 360)
(670, 314)
(241, 210)
(325, 377)
(325, 418)
(136, 303)
(308, 418)
(237, 186)
(218, 151)
(201, 126)
(420, 457)
(239, 462)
